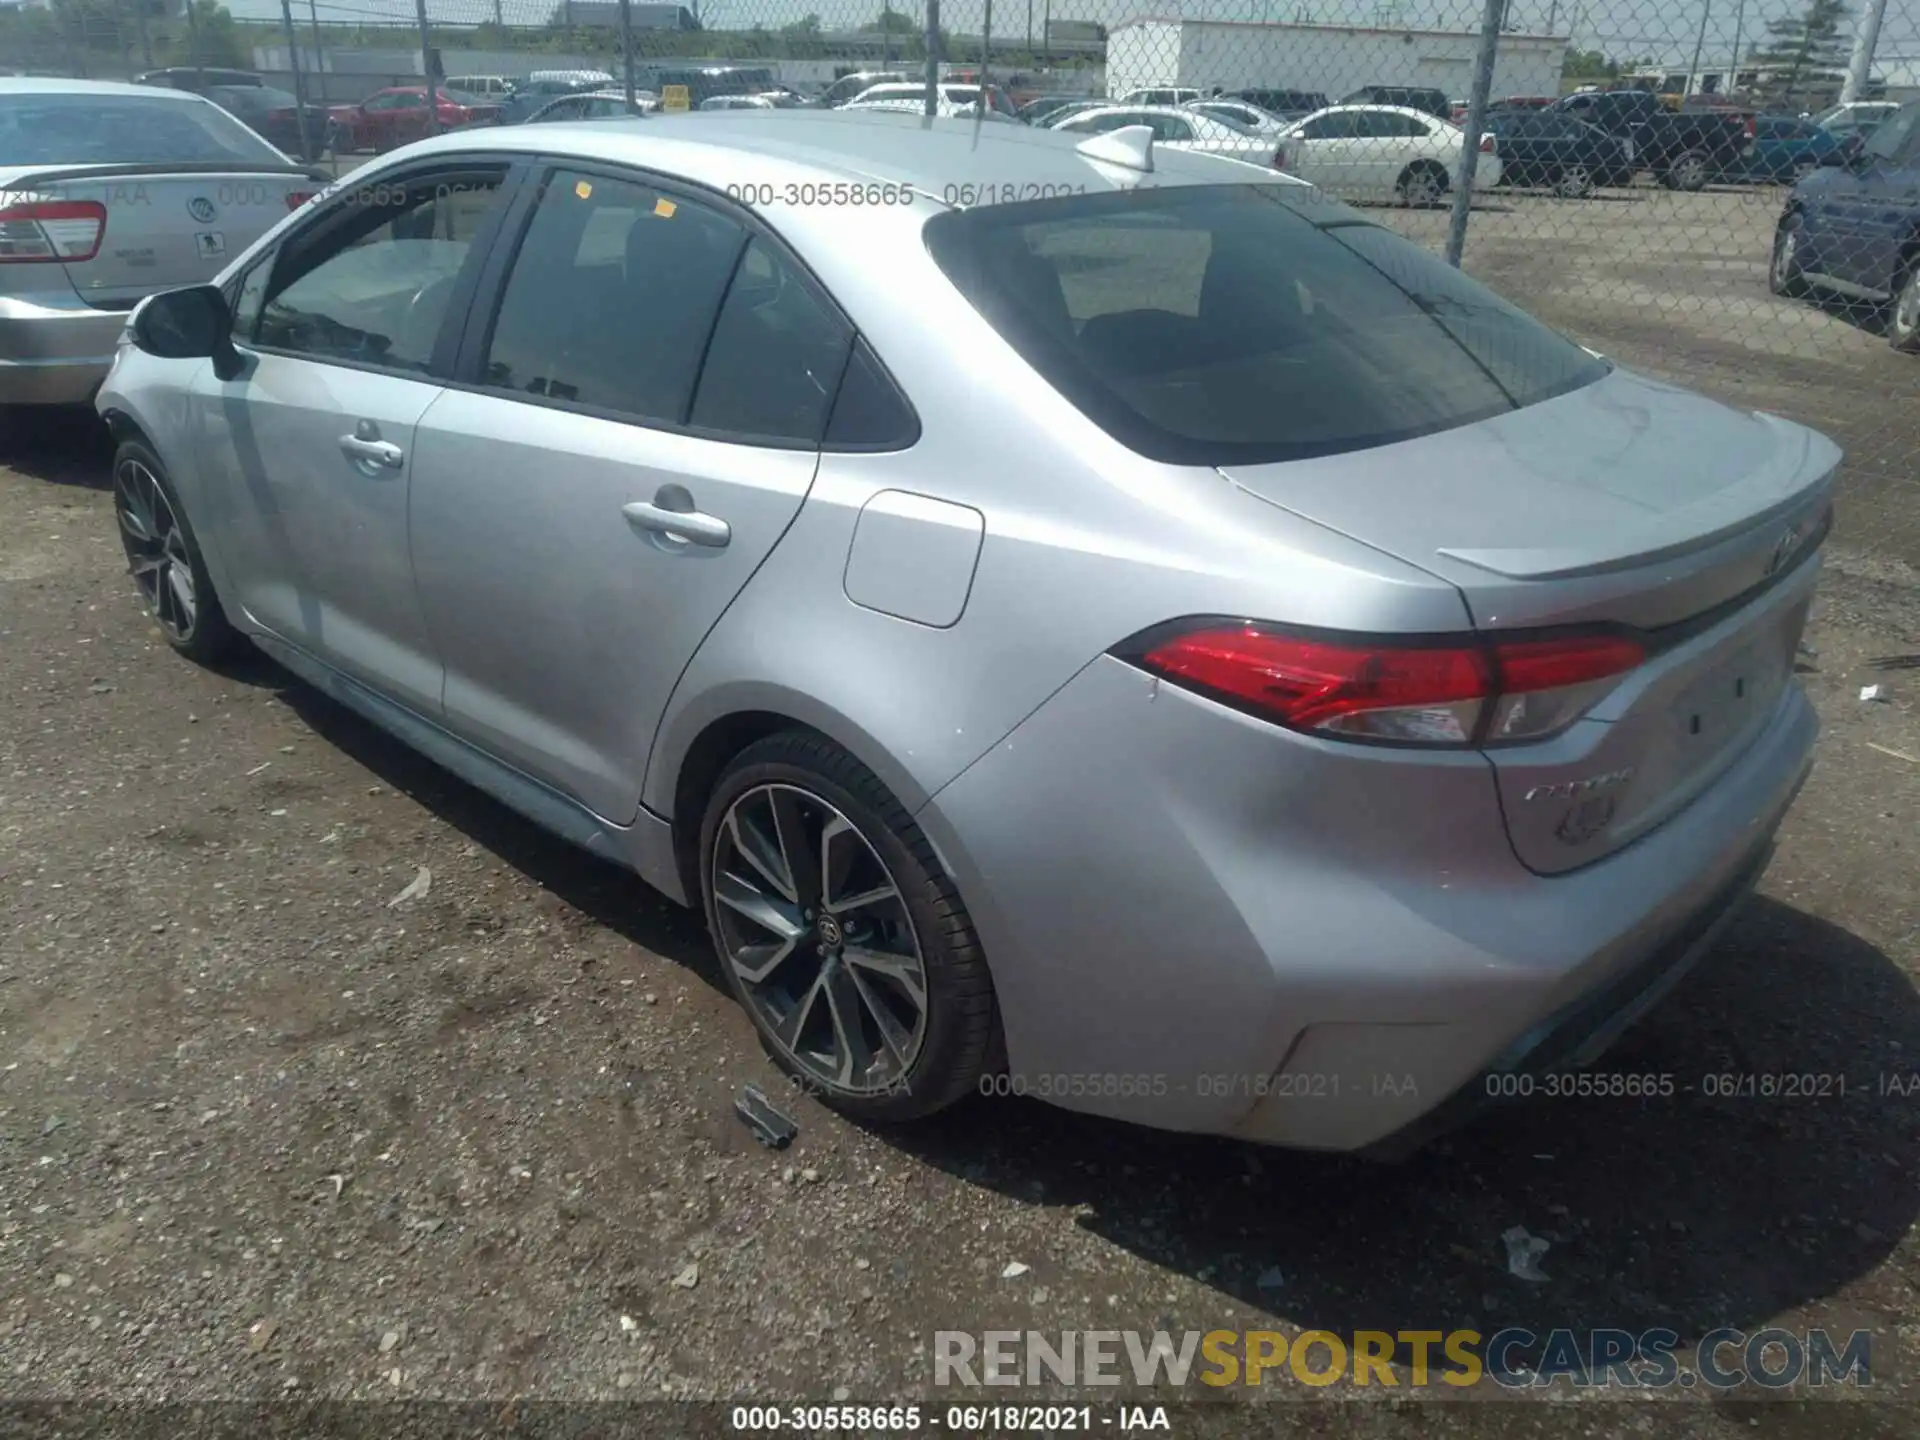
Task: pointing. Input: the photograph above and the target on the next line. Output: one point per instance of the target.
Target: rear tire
(858, 965)
(165, 560)
(1783, 270)
(1903, 320)
(1574, 183)
(1421, 184)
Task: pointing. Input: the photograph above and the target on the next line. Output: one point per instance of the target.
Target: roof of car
(1426, 115)
(727, 147)
(42, 85)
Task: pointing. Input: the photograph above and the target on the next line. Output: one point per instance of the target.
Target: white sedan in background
(1183, 129)
(1383, 152)
(1247, 117)
(950, 100)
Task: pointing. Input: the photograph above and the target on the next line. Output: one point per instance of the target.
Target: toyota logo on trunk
(201, 209)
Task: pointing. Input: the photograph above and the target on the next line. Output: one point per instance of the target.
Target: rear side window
(1237, 324)
(612, 298)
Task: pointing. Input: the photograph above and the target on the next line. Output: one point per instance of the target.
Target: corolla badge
(1581, 789)
(201, 209)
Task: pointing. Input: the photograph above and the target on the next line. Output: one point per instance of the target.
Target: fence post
(986, 56)
(146, 37)
(299, 85)
(626, 51)
(193, 45)
(1475, 125)
(1865, 37)
(933, 57)
(319, 57)
(426, 64)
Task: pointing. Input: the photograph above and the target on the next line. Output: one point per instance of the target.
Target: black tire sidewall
(212, 637)
(950, 1061)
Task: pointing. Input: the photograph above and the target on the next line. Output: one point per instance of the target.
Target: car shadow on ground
(1686, 1213)
(598, 889)
(60, 444)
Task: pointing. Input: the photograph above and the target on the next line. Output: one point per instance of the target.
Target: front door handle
(373, 452)
(687, 526)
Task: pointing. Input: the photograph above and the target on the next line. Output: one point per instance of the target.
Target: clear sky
(1664, 31)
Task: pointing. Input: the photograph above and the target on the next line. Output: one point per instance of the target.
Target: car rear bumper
(54, 350)
(1200, 922)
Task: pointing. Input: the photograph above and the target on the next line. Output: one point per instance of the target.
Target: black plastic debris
(769, 1126)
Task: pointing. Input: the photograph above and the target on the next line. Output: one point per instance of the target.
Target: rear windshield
(1245, 324)
(124, 130)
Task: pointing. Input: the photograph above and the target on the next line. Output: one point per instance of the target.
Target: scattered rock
(260, 1334)
(393, 1340)
(687, 1278)
(810, 1175)
(841, 1392)
(628, 1324)
(863, 1264)
(63, 1281)
(1523, 1254)
(1015, 1269)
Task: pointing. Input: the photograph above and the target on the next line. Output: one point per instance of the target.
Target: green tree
(891, 20)
(806, 27)
(1808, 46)
(1590, 65)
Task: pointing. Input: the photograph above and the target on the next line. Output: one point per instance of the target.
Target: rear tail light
(1451, 692)
(297, 198)
(51, 230)
(284, 113)
(1486, 144)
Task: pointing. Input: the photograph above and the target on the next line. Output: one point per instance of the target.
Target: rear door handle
(686, 525)
(374, 452)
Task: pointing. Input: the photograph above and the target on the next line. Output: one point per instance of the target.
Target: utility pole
(986, 55)
(1865, 36)
(319, 60)
(1739, 33)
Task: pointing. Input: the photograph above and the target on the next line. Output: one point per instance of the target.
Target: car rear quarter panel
(1084, 544)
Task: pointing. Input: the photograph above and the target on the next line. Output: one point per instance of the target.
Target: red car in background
(398, 116)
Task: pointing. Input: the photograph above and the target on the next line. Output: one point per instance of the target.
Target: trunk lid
(1625, 503)
(166, 225)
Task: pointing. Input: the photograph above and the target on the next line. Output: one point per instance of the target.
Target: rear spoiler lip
(110, 172)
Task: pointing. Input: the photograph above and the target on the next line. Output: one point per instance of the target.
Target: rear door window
(612, 298)
(1242, 325)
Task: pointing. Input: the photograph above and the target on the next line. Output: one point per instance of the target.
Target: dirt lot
(267, 1131)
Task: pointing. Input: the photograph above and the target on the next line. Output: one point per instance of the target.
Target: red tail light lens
(1752, 130)
(1453, 692)
(297, 198)
(57, 230)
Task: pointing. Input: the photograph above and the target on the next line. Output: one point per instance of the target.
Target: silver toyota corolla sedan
(1083, 619)
(109, 193)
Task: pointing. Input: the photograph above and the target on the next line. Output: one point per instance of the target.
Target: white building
(1335, 60)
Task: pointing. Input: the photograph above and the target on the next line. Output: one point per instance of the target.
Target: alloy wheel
(1690, 172)
(156, 549)
(819, 936)
(1420, 188)
(1576, 182)
(1906, 310)
(1785, 251)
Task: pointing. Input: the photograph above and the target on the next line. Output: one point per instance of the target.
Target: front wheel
(841, 935)
(1783, 271)
(1903, 322)
(164, 558)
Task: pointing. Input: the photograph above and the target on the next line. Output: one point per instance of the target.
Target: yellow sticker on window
(582, 189)
(664, 209)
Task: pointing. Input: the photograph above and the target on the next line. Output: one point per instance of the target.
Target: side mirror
(189, 324)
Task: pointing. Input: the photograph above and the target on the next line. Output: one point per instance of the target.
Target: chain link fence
(1637, 190)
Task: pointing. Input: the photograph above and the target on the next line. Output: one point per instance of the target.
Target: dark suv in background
(1852, 227)
(1433, 102)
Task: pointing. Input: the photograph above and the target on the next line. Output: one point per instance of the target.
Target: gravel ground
(270, 1131)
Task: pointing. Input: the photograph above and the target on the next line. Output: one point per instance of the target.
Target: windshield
(124, 130)
(1245, 324)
